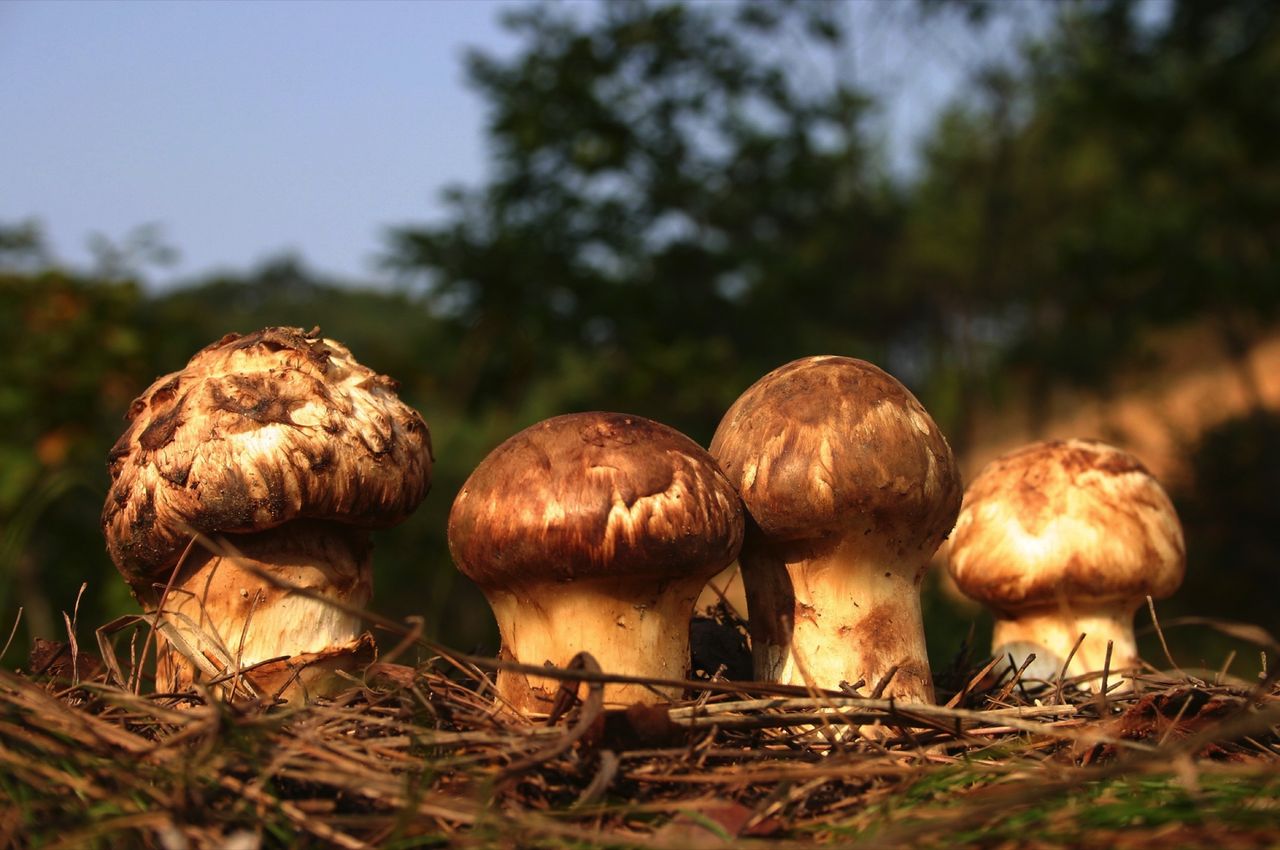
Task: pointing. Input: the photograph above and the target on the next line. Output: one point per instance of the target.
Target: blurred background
(1047, 219)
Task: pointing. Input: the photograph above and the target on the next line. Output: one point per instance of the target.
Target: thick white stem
(633, 628)
(847, 614)
(1051, 634)
(230, 616)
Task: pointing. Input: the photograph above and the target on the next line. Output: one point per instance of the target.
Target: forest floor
(418, 756)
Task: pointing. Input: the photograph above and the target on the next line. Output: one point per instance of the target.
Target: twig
(407, 640)
(12, 633)
(1102, 690)
(1217, 680)
(298, 817)
(71, 634)
(973, 682)
(1017, 677)
(1155, 621)
(1062, 674)
(878, 690)
(164, 597)
(591, 709)
(244, 634)
(600, 783)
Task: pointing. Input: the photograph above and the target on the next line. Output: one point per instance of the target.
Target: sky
(246, 130)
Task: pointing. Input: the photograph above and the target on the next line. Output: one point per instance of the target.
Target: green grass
(959, 807)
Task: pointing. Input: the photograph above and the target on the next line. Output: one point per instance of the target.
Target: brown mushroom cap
(824, 445)
(593, 495)
(1066, 520)
(256, 431)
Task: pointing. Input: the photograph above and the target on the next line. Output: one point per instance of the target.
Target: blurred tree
(1230, 515)
(22, 247)
(1119, 178)
(672, 213)
(1124, 180)
(953, 258)
(388, 329)
(72, 359)
(141, 248)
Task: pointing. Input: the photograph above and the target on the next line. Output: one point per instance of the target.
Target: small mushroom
(1064, 538)
(595, 532)
(850, 487)
(286, 446)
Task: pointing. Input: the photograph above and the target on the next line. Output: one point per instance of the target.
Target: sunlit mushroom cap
(595, 495)
(256, 431)
(1066, 521)
(823, 445)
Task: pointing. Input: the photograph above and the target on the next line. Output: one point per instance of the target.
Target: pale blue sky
(249, 129)
(244, 128)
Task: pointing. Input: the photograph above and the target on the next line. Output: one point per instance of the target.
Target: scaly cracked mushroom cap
(1067, 537)
(594, 531)
(852, 487)
(270, 430)
(827, 443)
(256, 431)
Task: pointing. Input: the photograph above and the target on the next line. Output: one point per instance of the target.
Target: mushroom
(849, 487)
(1067, 538)
(281, 442)
(594, 532)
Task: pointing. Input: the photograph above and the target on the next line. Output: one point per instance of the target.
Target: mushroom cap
(824, 446)
(595, 495)
(256, 431)
(1066, 521)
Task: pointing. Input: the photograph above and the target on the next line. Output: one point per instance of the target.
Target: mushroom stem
(225, 610)
(843, 613)
(1052, 633)
(640, 627)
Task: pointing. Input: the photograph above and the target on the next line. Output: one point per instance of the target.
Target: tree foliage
(669, 208)
(68, 375)
(1126, 181)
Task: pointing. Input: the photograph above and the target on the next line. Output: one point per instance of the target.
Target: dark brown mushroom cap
(256, 431)
(1066, 521)
(593, 495)
(824, 445)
